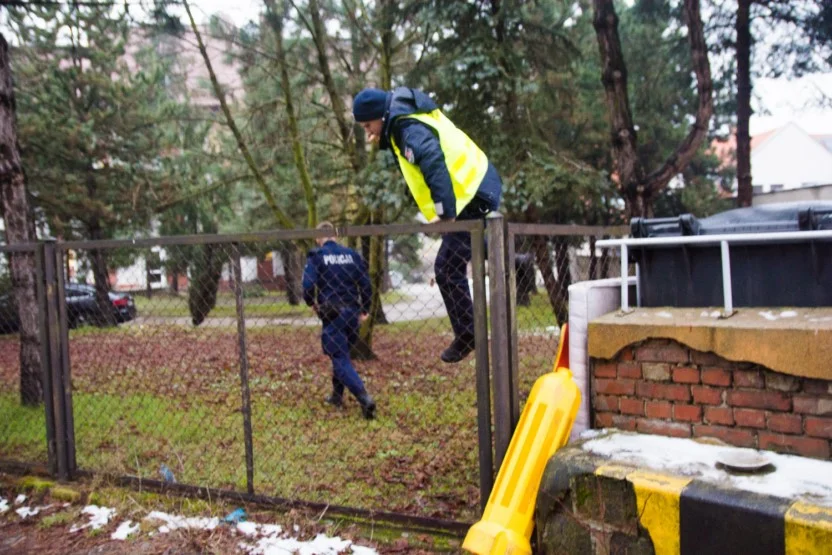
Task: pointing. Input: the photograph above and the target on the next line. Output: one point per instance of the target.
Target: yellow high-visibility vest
(466, 163)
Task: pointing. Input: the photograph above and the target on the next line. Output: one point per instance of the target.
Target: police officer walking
(337, 286)
(449, 177)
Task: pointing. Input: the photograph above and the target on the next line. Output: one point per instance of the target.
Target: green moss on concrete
(625, 544)
(606, 500)
(35, 484)
(563, 534)
(64, 493)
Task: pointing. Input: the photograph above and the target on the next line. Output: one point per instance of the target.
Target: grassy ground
(60, 508)
(153, 395)
(265, 304)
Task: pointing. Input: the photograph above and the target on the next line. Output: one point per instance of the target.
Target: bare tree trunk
(626, 164)
(744, 186)
(564, 279)
(101, 274)
(275, 17)
(605, 261)
(339, 109)
(19, 229)
(640, 190)
(281, 218)
(364, 346)
(174, 285)
(293, 268)
(544, 261)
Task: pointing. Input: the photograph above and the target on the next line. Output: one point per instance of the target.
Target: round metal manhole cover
(745, 460)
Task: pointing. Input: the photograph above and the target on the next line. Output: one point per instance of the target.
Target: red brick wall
(662, 387)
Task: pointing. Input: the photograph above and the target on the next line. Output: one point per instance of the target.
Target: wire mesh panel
(546, 263)
(154, 359)
(22, 414)
(419, 454)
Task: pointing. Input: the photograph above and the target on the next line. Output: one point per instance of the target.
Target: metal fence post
(486, 455)
(54, 360)
(64, 362)
(513, 343)
(245, 391)
(500, 367)
(45, 366)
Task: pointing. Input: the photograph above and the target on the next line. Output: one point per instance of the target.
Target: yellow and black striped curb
(678, 515)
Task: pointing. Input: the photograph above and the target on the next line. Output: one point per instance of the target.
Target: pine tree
(88, 124)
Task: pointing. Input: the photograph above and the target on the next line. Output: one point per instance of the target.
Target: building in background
(786, 159)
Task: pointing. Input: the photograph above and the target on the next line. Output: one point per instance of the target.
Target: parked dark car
(81, 308)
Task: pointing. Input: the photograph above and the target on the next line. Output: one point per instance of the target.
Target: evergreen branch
(279, 215)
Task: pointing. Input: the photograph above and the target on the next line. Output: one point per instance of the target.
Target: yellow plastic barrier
(544, 427)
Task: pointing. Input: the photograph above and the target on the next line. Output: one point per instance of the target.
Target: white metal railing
(722, 240)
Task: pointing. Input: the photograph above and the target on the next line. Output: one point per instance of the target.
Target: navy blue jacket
(427, 152)
(336, 275)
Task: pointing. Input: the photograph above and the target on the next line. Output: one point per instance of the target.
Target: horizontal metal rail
(410, 522)
(276, 235)
(734, 238)
(20, 247)
(723, 240)
(561, 230)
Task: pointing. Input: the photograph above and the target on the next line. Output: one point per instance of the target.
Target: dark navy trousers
(337, 338)
(451, 269)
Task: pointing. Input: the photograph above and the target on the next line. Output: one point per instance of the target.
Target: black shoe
(460, 348)
(335, 400)
(368, 406)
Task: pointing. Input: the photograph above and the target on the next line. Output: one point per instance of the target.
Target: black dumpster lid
(766, 218)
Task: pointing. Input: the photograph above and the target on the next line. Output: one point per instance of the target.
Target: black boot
(368, 406)
(460, 348)
(336, 399)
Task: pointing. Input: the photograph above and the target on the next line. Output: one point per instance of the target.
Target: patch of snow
(319, 545)
(125, 529)
(19, 499)
(771, 316)
(792, 478)
(27, 511)
(712, 314)
(99, 517)
(270, 529)
(4, 505)
(664, 314)
(174, 522)
(589, 434)
(247, 528)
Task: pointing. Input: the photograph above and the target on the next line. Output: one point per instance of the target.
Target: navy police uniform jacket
(336, 277)
(418, 141)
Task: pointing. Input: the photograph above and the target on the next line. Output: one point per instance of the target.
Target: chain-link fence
(547, 260)
(23, 426)
(197, 360)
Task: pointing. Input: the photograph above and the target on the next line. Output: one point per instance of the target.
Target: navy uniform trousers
(337, 338)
